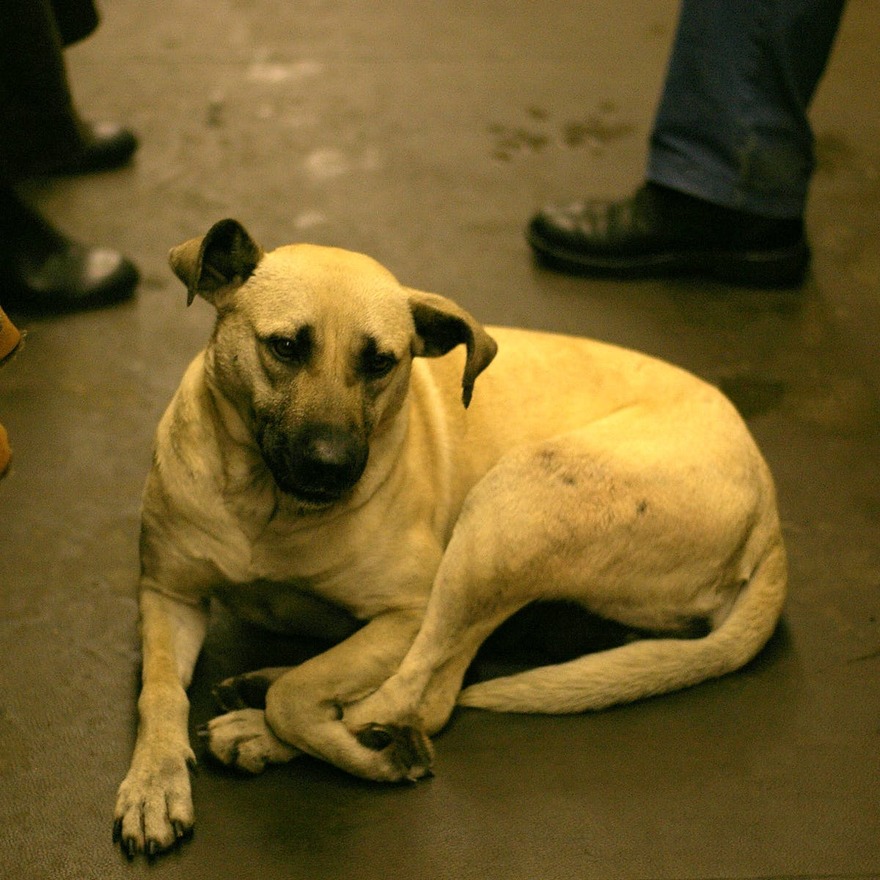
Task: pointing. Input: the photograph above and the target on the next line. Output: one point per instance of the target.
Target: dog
(326, 467)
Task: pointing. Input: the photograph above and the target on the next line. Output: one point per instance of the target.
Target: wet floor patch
(839, 404)
(753, 395)
(538, 130)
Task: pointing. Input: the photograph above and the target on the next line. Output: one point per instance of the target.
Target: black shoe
(106, 146)
(42, 271)
(660, 232)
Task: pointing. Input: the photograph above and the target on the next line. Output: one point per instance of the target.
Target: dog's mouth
(319, 466)
(310, 497)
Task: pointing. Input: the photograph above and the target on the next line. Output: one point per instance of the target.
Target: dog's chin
(316, 500)
(312, 498)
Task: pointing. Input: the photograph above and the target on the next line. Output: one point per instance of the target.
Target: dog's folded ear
(223, 258)
(441, 325)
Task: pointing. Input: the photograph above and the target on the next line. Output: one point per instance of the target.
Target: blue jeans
(732, 125)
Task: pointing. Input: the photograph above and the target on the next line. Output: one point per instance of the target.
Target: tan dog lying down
(317, 471)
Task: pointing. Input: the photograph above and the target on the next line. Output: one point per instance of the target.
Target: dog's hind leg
(609, 525)
(457, 622)
(488, 572)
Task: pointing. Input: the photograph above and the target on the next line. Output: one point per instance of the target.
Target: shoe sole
(776, 268)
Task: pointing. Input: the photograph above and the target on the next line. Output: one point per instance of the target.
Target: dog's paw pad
(375, 737)
(406, 745)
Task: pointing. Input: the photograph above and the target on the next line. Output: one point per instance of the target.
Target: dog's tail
(651, 666)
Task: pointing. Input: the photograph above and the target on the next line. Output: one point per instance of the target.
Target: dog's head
(314, 347)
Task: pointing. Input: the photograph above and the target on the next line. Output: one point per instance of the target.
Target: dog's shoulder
(185, 441)
(187, 458)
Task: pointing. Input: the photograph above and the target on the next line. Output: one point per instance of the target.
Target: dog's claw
(117, 830)
(227, 697)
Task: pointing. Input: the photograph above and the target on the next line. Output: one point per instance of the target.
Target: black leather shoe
(106, 146)
(42, 271)
(661, 232)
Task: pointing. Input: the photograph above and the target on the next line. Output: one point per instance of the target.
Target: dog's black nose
(327, 461)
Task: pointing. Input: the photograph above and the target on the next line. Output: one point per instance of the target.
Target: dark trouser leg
(732, 125)
(37, 116)
(40, 269)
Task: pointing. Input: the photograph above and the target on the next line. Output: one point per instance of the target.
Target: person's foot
(660, 232)
(42, 270)
(105, 146)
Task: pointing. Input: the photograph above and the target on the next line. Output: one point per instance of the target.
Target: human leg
(36, 107)
(42, 131)
(730, 159)
(732, 126)
(41, 269)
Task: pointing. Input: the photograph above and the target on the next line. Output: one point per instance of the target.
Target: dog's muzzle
(318, 465)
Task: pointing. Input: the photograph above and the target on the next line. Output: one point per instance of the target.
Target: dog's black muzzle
(318, 465)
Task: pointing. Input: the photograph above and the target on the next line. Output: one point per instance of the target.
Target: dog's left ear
(226, 256)
(441, 325)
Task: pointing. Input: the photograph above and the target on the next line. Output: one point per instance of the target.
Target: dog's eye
(283, 349)
(291, 350)
(375, 364)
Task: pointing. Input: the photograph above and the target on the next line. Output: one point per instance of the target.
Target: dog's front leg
(305, 710)
(154, 805)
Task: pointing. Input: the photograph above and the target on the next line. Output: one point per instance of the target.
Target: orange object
(5, 451)
(10, 338)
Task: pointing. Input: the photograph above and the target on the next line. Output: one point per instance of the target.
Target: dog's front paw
(394, 733)
(242, 739)
(405, 748)
(154, 808)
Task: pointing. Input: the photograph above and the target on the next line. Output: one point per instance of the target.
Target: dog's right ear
(223, 258)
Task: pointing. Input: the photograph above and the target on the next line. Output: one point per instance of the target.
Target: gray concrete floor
(425, 134)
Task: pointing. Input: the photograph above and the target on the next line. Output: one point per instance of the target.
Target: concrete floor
(425, 134)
